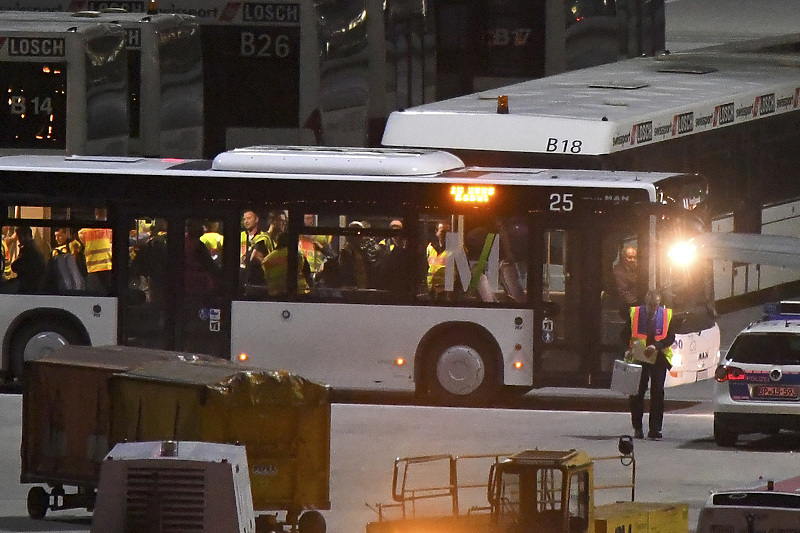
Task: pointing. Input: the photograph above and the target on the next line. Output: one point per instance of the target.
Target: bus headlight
(683, 253)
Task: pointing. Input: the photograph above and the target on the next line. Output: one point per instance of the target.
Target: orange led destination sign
(473, 194)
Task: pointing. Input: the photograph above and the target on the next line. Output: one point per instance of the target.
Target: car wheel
(462, 371)
(724, 437)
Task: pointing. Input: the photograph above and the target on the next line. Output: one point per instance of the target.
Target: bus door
(567, 318)
(176, 296)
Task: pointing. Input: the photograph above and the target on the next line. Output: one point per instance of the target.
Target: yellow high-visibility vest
(96, 248)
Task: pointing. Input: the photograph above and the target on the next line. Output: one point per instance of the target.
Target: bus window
(202, 310)
(146, 296)
(357, 256)
(624, 283)
(567, 269)
(474, 259)
(263, 234)
(59, 260)
(316, 249)
(686, 282)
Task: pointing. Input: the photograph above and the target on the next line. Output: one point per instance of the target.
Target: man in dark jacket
(650, 328)
(30, 265)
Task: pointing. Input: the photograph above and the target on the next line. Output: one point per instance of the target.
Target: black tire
(724, 437)
(50, 332)
(462, 371)
(311, 522)
(38, 502)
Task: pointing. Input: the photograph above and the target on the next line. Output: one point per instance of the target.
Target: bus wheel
(462, 372)
(311, 522)
(38, 502)
(38, 339)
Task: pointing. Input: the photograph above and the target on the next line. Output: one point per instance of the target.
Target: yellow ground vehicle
(533, 491)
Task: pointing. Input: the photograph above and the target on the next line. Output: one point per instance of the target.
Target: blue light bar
(784, 310)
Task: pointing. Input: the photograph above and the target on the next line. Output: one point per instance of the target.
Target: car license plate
(703, 374)
(775, 391)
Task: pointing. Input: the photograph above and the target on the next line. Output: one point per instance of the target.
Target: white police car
(750, 510)
(757, 387)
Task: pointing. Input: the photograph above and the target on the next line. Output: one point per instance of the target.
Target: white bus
(523, 294)
(729, 112)
(65, 86)
(165, 90)
(330, 71)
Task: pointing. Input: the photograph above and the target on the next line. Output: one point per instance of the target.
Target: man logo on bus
(456, 260)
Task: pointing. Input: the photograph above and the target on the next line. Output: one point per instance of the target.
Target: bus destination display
(34, 113)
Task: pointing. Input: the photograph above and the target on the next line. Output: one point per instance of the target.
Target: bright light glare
(682, 254)
(399, 361)
(242, 357)
(517, 364)
(677, 358)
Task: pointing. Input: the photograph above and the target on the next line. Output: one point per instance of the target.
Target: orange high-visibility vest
(639, 327)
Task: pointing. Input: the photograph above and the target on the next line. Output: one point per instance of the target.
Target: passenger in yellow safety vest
(315, 248)
(437, 254)
(213, 240)
(388, 244)
(10, 249)
(250, 235)
(277, 226)
(354, 266)
(649, 327)
(97, 250)
(275, 269)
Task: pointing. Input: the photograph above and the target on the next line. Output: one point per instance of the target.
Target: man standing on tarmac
(649, 326)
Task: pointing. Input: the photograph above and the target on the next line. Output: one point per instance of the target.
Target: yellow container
(642, 517)
(283, 421)
(66, 410)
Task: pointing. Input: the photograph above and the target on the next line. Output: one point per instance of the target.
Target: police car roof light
(787, 309)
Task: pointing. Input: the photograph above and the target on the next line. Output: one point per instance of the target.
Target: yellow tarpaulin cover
(283, 420)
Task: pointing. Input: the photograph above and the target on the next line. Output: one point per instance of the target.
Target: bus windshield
(686, 281)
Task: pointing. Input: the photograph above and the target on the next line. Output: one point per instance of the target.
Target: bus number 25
(564, 146)
(561, 202)
(263, 45)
